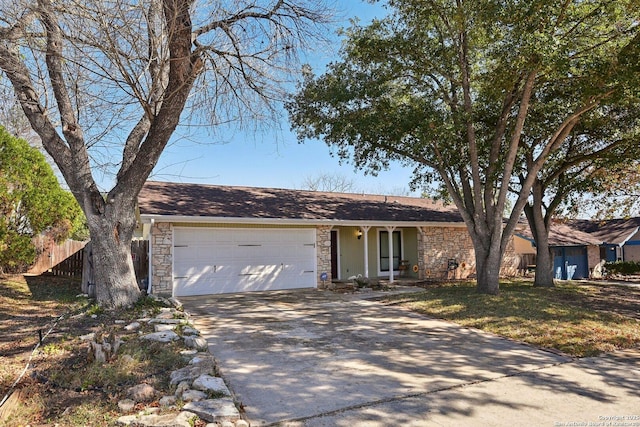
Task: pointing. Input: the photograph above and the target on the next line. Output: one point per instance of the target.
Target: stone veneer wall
(323, 253)
(162, 262)
(436, 245)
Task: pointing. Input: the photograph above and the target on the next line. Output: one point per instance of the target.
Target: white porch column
(365, 231)
(390, 230)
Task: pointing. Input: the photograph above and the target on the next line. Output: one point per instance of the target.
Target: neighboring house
(207, 239)
(620, 237)
(575, 253)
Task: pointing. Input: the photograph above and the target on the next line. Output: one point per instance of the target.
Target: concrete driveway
(314, 358)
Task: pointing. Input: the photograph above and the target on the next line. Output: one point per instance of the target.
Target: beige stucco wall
(523, 246)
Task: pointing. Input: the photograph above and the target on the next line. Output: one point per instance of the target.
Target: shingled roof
(613, 231)
(561, 234)
(215, 201)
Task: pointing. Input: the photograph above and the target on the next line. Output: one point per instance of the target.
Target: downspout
(149, 280)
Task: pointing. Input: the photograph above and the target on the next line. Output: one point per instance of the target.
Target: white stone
(126, 405)
(126, 420)
(119, 322)
(227, 424)
(242, 423)
(162, 327)
(88, 337)
(165, 336)
(168, 321)
(166, 313)
(189, 373)
(185, 418)
(134, 326)
(176, 303)
(142, 393)
(167, 401)
(193, 395)
(198, 343)
(214, 409)
(208, 383)
(198, 360)
(190, 331)
(182, 387)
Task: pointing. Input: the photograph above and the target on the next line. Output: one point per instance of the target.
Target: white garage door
(226, 260)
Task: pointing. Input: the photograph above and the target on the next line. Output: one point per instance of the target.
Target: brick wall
(593, 257)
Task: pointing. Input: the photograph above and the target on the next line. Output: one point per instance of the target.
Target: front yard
(579, 319)
(63, 387)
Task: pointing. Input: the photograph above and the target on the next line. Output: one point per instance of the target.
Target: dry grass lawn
(579, 319)
(62, 387)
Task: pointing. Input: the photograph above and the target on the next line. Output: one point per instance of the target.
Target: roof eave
(147, 218)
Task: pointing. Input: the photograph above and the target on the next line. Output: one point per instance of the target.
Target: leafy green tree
(31, 202)
(603, 143)
(449, 87)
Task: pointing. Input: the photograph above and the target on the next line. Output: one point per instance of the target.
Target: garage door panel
(211, 261)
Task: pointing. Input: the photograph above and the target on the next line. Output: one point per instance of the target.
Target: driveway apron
(301, 357)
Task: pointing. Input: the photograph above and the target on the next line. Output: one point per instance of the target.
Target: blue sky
(273, 158)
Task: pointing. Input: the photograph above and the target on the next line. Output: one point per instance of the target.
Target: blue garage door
(571, 263)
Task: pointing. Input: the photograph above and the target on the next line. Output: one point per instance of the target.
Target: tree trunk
(539, 224)
(544, 267)
(488, 260)
(111, 227)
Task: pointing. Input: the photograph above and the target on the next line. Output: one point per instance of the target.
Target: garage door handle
(181, 277)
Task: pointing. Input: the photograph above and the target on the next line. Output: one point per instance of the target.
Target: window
(384, 249)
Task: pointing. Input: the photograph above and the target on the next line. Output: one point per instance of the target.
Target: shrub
(623, 267)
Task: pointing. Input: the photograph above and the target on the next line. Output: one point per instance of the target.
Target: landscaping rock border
(206, 395)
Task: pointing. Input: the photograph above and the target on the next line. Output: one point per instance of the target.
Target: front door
(334, 254)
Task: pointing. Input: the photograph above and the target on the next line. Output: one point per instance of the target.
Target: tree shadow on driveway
(309, 356)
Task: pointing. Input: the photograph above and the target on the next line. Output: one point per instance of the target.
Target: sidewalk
(600, 391)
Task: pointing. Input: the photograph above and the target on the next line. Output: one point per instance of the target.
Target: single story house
(620, 238)
(575, 253)
(209, 239)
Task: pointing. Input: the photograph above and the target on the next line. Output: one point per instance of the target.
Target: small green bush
(623, 267)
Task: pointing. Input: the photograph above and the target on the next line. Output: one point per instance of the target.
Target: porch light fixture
(359, 234)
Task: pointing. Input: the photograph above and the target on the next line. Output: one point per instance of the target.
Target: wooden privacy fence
(139, 255)
(60, 259)
(74, 259)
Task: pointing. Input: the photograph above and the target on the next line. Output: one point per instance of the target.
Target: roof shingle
(199, 200)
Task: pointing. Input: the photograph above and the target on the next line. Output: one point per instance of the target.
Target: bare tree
(329, 182)
(104, 83)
